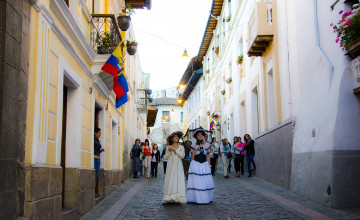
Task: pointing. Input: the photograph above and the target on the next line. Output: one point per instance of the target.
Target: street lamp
(218, 126)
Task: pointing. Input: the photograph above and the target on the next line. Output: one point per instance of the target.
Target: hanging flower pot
(124, 18)
(208, 113)
(131, 47)
(223, 92)
(228, 80)
(240, 59)
(124, 22)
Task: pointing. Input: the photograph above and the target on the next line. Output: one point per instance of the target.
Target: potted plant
(131, 47)
(240, 59)
(124, 18)
(208, 113)
(228, 80)
(207, 71)
(217, 50)
(104, 43)
(223, 92)
(348, 31)
(228, 18)
(203, 77)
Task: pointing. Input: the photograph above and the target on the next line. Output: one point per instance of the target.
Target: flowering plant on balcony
(240, 59)
(203, 77)
(131, 47)
(348, 27)
(223, 92)
(207, 71)
(217, 50)
(127, 10)
(228, 80)
(208, 113)
(228, 18)
(131, 43)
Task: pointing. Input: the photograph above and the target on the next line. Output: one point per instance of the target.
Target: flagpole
(92, 82)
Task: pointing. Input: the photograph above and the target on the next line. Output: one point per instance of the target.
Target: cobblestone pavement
(234, 198)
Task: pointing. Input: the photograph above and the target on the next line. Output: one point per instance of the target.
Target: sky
(164, 32)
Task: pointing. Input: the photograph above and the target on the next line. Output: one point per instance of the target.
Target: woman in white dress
(174, 186)
(200, 188)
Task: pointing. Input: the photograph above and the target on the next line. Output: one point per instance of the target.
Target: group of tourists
(196, 162)
(145, 159)
(235, 152)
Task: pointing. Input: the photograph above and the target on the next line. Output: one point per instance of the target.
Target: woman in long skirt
(174, 187)
(135, 154)
(200, 189)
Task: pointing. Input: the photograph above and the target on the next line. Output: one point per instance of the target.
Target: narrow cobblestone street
(235, 198)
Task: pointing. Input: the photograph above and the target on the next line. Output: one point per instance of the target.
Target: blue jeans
(97, 168)
(249, 160)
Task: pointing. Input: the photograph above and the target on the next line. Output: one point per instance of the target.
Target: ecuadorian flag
(148, 131)
(115, 67)
(212, 123)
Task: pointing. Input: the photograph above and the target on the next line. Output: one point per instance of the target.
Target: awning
(192, 83)
(151, 117)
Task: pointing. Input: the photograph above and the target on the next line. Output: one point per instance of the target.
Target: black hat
(177, 133)
(201, 130)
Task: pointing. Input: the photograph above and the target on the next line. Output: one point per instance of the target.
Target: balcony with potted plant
(104, 33)
(347, 32)
(261, 29)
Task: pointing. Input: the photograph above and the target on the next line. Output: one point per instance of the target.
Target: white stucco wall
(327, 112)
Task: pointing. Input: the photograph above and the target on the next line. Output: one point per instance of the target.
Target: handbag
(143, 156)
(229, 155)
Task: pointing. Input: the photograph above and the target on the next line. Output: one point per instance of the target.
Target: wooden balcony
(139, 4)
(261, 29)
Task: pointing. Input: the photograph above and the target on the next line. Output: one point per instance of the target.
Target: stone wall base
(43, 187)
(79, 189)
(273, 154)
(109, 180)
(331, 178)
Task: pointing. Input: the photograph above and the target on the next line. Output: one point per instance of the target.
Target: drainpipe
(317, 42)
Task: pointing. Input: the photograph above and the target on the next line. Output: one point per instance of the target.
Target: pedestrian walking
(250, 152)
(141, 158)
(155, 158)
(147, 159)
(226, 154)
(239, 157)
(187, 159)
(163, 159)
(135, 155)
(97, 150)
(217, 147)
(174, 186)
(232, 159)
(214, 154)
(200, 189)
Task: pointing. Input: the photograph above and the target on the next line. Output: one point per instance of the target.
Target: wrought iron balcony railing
(104, 33)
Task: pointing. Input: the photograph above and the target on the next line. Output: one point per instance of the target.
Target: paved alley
(234, 198)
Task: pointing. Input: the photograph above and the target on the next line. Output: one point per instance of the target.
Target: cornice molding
(101, 87)
(71, 49)
(66, 18)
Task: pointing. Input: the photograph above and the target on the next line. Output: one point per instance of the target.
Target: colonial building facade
(67, 97)
(290, 87)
